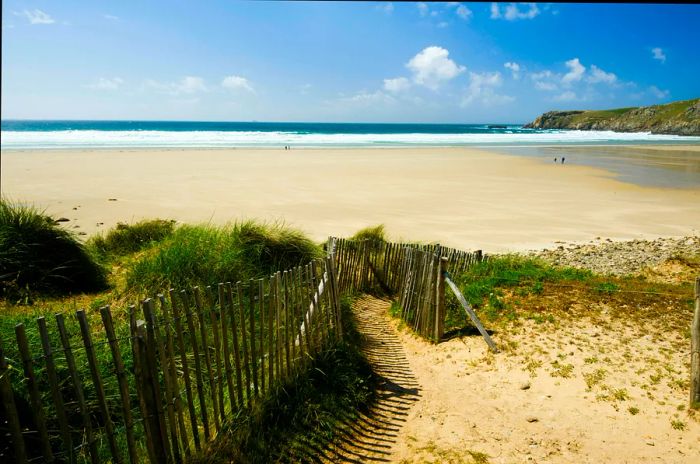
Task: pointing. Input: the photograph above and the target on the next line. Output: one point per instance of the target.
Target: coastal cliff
(677, 118)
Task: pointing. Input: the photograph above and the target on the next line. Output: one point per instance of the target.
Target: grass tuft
(374, 233)
(126, 239)
(37, 256)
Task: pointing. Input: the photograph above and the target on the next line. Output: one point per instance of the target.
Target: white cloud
(546, 74)
(658, 54)
(422, 8)
(464, 12)
(364, 99)
(514, 69)
(658, 93)
(432, 66)
(481, 89)
(387, 8)
(106, 83)
(576, 70)
(396, 85)
(186, 85)
(541, 85)
(36, 17)
(110, 17)
(598, 75)
(512, 12)
(566, 96)
(442, 24)
(237, 83)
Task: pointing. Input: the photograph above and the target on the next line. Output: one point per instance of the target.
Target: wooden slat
(156, 346)
(121, 374)
(472, 315)
(214, 316)
(97, 382)
(236, 351)
(66, 438)
(223, 307)
(176, 398)
(8, 402)
(244, 340)
(187, 308)
(284, 299)
(78, 387)
(34, 395)
(270, 336)
(202, 320)
(261, 352)
(252, 293)
(177, 315)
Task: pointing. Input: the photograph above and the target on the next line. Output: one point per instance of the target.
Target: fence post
(695, 351)
(145, 368)
(8, 401)
(440, 310)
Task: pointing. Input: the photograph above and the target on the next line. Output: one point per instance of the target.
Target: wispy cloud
(514, 69)
(576, 70)
(237, 83)
(396, 85)
(461, 10)
(482, 89)
(598, 75)
(186, 85)
(36, 16)
(569, 95)
(512, 11)
(110, 17)
(423, 9)
(658, 54)
(387, 8)
(658, 93)
(432, 66)
(107, 83)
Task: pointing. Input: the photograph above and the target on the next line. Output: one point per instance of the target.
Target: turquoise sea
(26, 134)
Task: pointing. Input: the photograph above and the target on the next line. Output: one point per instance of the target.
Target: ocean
(27, 134)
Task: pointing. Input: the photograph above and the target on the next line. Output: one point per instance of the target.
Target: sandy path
(526, 404)
(372, 437)
(460, 197)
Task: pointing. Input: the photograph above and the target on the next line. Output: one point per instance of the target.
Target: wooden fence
(184, 363)
(414, 274)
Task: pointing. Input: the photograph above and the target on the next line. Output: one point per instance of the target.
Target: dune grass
(376, 233)
(126, 239)
(205, 255)
(37, 256)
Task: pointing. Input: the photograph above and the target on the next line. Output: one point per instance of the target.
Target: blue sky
(355, 62)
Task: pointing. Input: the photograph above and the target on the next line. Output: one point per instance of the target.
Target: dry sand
(461, 197)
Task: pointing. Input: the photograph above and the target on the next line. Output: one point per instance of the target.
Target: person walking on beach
(562, 160)
(555, 161)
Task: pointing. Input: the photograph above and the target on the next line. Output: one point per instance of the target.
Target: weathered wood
(214, 316)
(122, 380)
(97, 383)
(290, 297)
(224, 340)
(270, 335)
(279, 355)
(472, 315)
(261, 352)
(78, 387)
(284, 299)
(252, 293)
(205, 351)
(147, 380)
(177, 317)
(199, 381)
(34, 395)
(66, 438)
(244, 341)
(155, 348)
(440, 309)
(176, 398)
(695, 351)
(8, 402)
(139, 367)
(236, 346)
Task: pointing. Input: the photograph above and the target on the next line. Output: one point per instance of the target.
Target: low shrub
(125, 239)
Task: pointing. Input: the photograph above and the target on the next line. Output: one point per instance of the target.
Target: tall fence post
(695, 351)
(8, 401)
(440, 310)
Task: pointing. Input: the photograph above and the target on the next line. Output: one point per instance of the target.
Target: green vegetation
(306, 413)
(680, 117)
(126, 239)
(376, 233)
(37, 256)
(205, 255)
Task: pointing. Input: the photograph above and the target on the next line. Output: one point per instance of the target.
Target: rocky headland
(676, 118)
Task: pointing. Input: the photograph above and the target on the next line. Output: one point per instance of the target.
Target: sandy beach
(461, 197)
